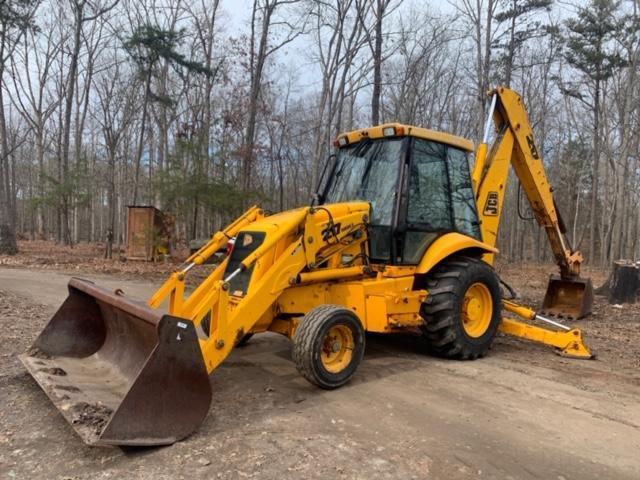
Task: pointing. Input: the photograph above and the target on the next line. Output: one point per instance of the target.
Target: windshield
(368, 171)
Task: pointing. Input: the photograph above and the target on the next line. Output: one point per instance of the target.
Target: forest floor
(522, 412)
(84, 258)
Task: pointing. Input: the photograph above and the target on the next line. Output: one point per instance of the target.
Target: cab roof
(401, 130)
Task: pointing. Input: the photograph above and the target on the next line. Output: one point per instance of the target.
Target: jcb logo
(491, 207)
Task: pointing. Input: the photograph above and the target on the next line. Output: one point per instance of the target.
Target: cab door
(437, 199)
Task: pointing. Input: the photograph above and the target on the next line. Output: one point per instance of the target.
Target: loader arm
(125, 373)
(568, 295)
(298, 241)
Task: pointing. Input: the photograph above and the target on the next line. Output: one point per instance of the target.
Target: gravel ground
(522, 412)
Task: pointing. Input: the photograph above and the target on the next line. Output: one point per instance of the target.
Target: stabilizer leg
(567, 341)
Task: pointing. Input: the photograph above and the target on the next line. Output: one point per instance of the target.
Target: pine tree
(519, 16)
(149, 46)
(592, 49)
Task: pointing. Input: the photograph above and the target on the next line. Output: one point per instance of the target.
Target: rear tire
(462, 309)
(328, 346)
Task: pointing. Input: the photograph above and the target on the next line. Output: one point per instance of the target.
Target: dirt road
(520, 413)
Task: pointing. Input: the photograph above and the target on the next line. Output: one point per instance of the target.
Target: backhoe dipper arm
(515, 145)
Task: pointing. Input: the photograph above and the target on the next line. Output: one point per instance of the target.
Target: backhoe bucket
(568, 299)
(120, 372)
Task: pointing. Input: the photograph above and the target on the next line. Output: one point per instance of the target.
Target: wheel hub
(337, 348)
(477, 310)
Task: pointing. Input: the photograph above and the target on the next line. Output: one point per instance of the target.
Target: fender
(449, 244)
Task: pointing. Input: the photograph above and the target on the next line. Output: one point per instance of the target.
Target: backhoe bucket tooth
(120, 372)
(568, 299)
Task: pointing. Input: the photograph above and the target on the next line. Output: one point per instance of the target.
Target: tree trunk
(143, 124)
(41, 222)
(257, 67)
(377, 65)
(66, 137)
(8, 244)
(594, 175)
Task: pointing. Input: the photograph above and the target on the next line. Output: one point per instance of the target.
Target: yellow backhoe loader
(401, 236)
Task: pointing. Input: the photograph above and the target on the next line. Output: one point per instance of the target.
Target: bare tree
(88, 125)
(83, 11)
(15, 20)
(380, 9)
(338, 31)
(479, 15)
(117, 109)
(31, 73)
(264, 18)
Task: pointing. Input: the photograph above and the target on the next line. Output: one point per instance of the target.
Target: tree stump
(623, 285)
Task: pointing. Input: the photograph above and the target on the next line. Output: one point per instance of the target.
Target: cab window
(440, 198)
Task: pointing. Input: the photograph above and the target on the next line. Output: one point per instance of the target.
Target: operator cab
(417, 181)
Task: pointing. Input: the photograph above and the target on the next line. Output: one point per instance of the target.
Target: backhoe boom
(568, 295)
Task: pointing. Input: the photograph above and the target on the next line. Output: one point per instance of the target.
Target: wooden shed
(148, 235)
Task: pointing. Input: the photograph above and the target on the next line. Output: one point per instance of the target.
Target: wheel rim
(337, 348)
(477, 310)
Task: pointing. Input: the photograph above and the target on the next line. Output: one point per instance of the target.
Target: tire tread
(306, 334)
(440, 310)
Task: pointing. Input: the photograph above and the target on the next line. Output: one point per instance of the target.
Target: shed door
(140, 232)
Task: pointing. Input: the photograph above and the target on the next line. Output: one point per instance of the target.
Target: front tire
(328, 346)
(462, 310)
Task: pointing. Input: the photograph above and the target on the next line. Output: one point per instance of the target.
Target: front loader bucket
(568, 298)
(120, 372)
